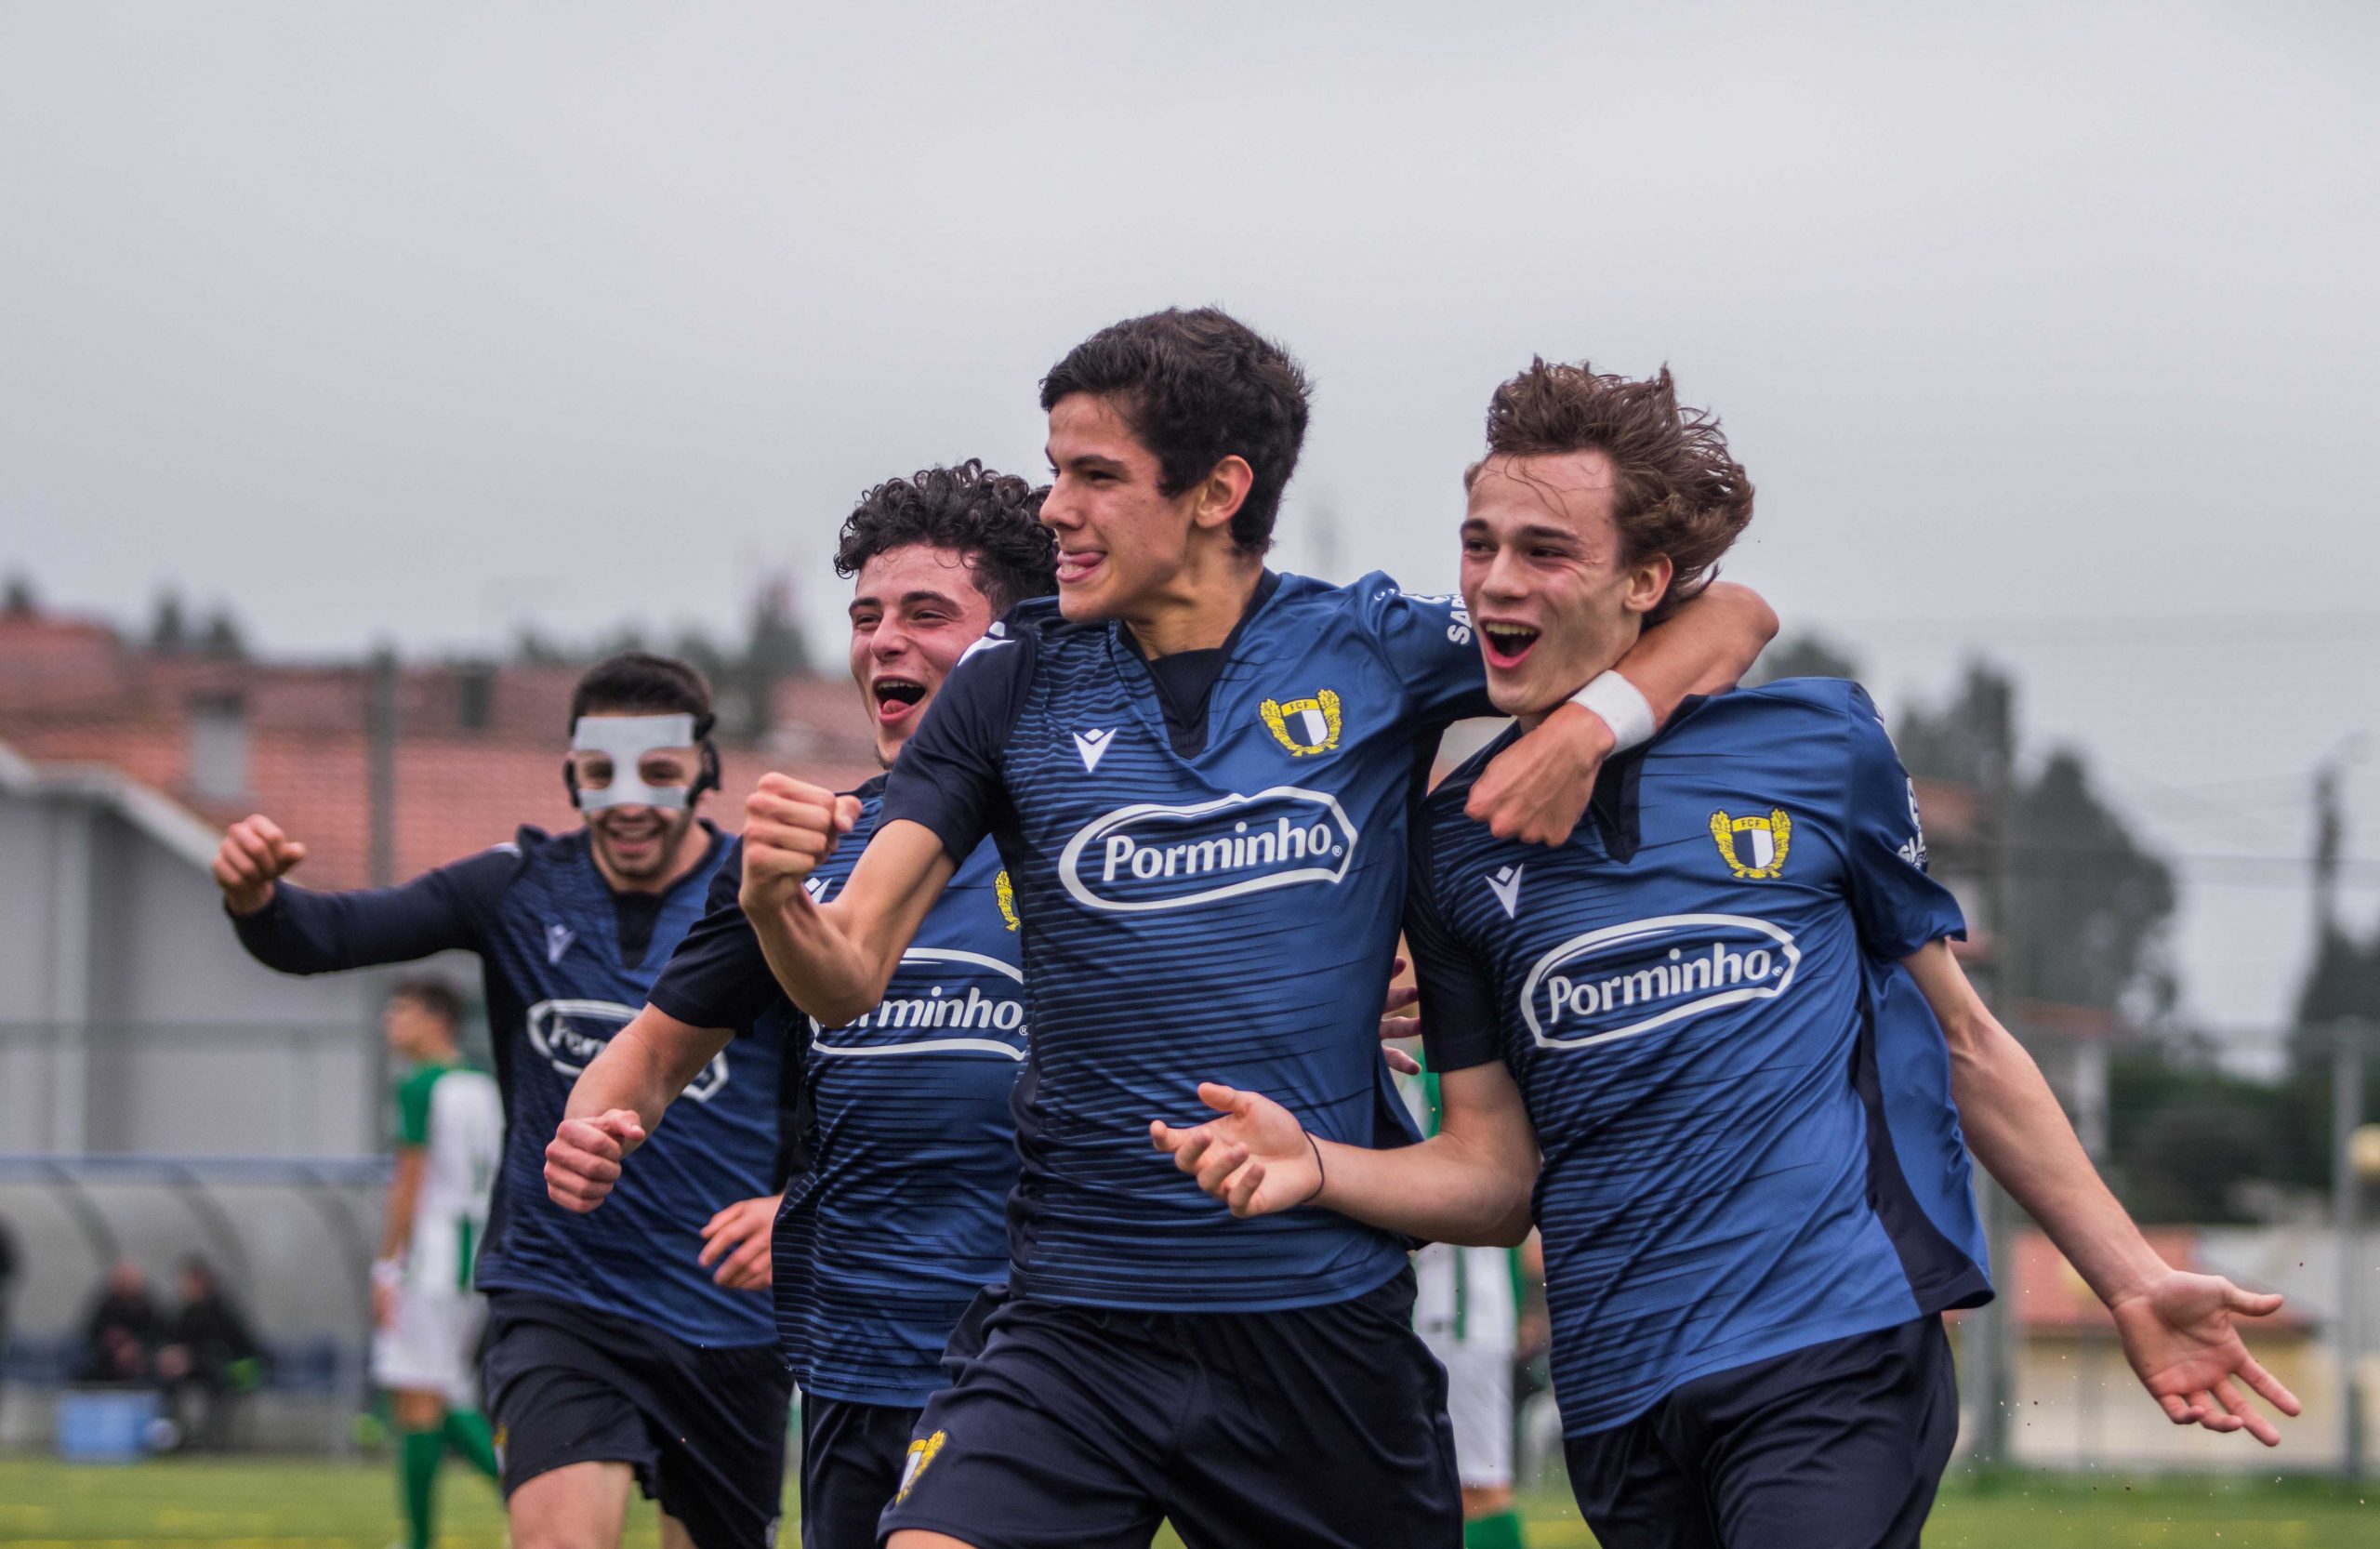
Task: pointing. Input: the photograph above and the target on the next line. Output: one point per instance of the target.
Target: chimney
(218, 745)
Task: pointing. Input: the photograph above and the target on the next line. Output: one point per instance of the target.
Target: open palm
(2181, 1339)
(1255, 1158)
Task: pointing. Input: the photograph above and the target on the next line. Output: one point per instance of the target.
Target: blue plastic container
(106, 1424)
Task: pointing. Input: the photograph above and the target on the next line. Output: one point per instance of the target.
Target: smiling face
(1122, 544)
(1549, 588)
(915, 610)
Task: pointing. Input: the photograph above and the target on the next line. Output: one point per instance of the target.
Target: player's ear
(1222, 492)
(1649, 582)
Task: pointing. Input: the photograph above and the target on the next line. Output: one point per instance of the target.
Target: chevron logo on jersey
(1755, 848)
(1304, 726)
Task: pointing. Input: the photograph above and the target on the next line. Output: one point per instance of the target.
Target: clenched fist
(790, 827)
(253, 853)
(583, 1160)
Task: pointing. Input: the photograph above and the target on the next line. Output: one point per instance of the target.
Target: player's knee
(916, 1537)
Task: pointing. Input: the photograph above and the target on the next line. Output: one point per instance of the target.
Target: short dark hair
(1681, 492)
(641, 681)
(434, 996)
(1197, 387)
(993, 518)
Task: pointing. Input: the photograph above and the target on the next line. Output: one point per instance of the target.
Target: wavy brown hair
(1680, 492)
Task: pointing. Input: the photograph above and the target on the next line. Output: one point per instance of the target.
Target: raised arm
(834, 959)
(1470, 1182)
(296, 931)
(2176, 1326)
(619, 1099)
(1538, 788)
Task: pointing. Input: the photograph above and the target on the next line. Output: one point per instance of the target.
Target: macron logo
(1506, 886)
(1093, 745)
(558, 940)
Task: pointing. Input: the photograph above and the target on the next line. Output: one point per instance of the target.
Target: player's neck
(1531, 720)
(1200, 608)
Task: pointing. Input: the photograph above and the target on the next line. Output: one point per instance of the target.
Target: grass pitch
(280, 1504)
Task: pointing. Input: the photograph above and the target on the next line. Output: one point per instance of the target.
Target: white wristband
(1622, 707)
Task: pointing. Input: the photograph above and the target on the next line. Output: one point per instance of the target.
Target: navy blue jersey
(567, 961)
(1742, 1101)
(1212, 899)
(896, 1219)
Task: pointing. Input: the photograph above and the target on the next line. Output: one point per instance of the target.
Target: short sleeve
(1428, 644)
(1460, 1028)
(1898, 907)
(718, 976)
(949, 776)
(412, 1104)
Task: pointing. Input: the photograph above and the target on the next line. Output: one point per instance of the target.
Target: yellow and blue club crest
(921, 1454)
(1753, 848)
(1304, 726)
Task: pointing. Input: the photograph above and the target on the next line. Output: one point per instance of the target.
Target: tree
(168, 630)
(19, 601)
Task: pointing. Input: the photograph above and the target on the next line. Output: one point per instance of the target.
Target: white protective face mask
(626, 739)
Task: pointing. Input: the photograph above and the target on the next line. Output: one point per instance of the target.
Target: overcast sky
(2043, 335)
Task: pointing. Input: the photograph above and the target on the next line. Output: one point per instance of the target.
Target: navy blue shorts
(1836, 1447)
(1070, 1427)
(850, 1464)
(703, 1429)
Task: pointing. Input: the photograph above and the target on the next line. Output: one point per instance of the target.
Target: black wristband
(1320, 1178)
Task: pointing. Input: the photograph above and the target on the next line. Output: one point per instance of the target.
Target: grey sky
(2047, 335)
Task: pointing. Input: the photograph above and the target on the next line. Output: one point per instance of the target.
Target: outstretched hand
(1255, 1158)
(737, 1241)
(583, 1160)
(254, 854)
(1537, 789)
(2179, 1336)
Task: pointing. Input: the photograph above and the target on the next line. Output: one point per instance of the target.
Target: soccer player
(450, 1139)
(612, 1357)
(897, 1218)
(1197, 773)
(1727, 1014)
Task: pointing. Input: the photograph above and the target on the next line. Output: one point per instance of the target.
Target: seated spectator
(121, 1336)
(210, 1357)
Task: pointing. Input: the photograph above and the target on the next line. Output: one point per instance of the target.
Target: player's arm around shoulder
(1537, 789)
(834, 959)
(1468, 1184)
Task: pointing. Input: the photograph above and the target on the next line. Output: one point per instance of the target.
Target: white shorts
(431, 1344)
(1479, 1401)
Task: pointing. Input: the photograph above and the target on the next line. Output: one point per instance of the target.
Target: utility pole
(1992, 1358)
(381, 773)
(2349, 1040)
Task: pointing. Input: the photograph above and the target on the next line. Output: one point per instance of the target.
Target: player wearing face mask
(612, 1354)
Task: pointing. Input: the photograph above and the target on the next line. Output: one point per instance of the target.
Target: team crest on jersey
(1004, 893)
(921, 1456)
(1304, 726)
(1755, 848)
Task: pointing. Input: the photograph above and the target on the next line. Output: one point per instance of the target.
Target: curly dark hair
(1680, 494)
(993, 518)
(1197, 387)
(641, 681)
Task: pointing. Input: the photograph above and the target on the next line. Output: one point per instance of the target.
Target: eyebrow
(911, 598)
(1081, 457)
(1538, 530)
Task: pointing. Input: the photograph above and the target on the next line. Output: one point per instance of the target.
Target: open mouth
(1077, 567)
(1508, 644)
(896, 698)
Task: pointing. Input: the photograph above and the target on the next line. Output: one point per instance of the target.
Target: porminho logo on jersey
(569, 1034)
(938, 1004)
(1304, 726)
(1629, 979)
(1151, 856)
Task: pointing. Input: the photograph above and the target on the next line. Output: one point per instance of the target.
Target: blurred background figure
(211, 1359)
(450, 1136)
(123, 1330)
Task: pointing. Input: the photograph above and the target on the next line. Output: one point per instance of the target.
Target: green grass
(283, 1505)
